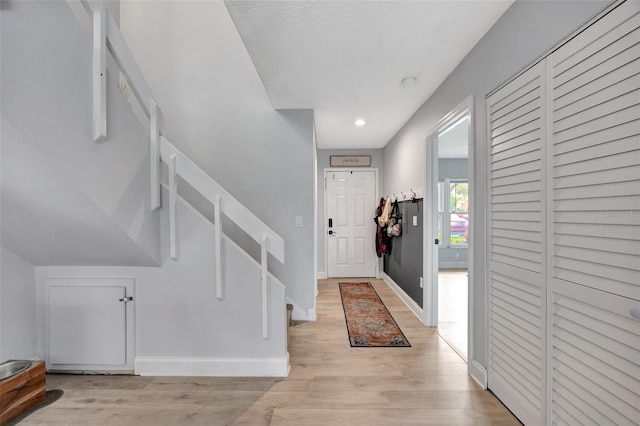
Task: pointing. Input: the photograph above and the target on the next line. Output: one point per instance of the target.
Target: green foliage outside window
(459, 209)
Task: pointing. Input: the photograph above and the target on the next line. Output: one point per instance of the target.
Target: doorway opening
(453, 233)
(448, 254)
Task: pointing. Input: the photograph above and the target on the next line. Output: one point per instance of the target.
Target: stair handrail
(229, 206)
(105, 27)
(111, 51)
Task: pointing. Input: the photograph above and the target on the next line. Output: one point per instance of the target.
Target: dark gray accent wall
(404, 264)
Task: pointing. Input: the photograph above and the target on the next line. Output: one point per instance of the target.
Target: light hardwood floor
(453, 307)
(330, 384)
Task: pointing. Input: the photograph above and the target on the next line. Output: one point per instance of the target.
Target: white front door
(349, 225)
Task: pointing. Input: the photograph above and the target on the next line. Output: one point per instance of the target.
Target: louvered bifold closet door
(596, 223)
(517, 270)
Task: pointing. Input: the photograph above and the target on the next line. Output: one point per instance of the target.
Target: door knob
(332, 232)
(126, 299)
(437, 241)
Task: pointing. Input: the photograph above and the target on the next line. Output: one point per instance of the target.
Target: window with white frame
(453, 212)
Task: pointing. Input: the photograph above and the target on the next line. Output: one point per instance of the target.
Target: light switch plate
(298, 221)
(415, 221)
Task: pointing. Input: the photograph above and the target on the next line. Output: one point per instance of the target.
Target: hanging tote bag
(394, 228)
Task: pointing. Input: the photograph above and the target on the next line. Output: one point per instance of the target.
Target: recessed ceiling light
(360, 122)
(408, 82)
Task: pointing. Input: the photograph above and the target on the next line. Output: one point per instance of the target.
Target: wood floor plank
(330, 383)
(374, 417)
(390, 384)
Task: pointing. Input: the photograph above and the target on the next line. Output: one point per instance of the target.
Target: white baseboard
(322, 275)
(311, 314)
(478, 372)
(301, 314)
(217, 367)
(411, 304)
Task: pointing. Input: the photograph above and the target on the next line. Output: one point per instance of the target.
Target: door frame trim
(325, 229)
(430, 256)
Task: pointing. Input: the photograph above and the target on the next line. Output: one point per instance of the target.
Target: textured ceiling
(346, 59)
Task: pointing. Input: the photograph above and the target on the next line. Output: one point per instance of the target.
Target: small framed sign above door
(350, 161)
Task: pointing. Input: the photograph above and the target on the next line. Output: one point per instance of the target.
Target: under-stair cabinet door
(90, 324)
(517, 267)
(596, 222)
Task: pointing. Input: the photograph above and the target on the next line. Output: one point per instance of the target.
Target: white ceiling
(346, 59)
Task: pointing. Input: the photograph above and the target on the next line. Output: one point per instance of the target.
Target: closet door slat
(606, 31)
(596, 222)
(517, 261)
(612, 87)
(594, 334)
(593, 88)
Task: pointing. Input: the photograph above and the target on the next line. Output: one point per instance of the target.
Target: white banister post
(218, 244)
(263, 281)
(173, 200)
(154, 154)
(99, 80)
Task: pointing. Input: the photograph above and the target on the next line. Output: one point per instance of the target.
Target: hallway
(330, 384)
(453, 309)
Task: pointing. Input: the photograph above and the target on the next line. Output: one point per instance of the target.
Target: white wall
(46, 99)
(178, 318)
(523, 33)
(453, 168)
(18, 331)
(324, 163)
(47, 219)
(216, 111)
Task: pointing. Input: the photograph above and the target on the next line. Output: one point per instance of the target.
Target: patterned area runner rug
(369, 323)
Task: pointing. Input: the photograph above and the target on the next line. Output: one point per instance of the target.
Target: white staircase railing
(110, 51)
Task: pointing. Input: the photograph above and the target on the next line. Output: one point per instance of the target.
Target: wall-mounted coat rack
(407, 195)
